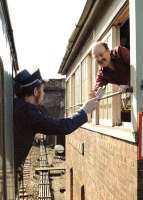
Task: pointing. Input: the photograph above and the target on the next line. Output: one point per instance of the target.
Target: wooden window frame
(68, 97)
(78, 88)
(115, 119)
(73, 93)
(88, 80)
(71, 101)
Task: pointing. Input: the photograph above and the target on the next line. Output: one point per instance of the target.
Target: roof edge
(75, 35)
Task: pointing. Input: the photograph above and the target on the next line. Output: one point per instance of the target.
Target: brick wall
(108, 168)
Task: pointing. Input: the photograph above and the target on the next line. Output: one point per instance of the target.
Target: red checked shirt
(120, 75)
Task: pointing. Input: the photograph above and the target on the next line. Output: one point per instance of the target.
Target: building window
(73, 93)
(110, 108)
(84, 80)
(82, 193)
(86, 68)
(126, 98)
(71, 184)
(68, 97)
(115, 110)
(106, 112)
(86, 77)
(78, 88)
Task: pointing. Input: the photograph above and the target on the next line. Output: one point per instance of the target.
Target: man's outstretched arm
(46, 125)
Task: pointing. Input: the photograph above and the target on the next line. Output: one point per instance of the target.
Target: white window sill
(120, 132)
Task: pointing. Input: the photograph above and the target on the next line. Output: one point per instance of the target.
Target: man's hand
(97, 94)
(89, 106)
(92, 94)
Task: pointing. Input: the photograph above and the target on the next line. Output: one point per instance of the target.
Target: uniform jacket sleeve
(50, 126)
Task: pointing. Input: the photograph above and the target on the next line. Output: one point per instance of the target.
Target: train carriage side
(8, 66)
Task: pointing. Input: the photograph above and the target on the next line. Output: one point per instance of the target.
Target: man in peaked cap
(29, 120)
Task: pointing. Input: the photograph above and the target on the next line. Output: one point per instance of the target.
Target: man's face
(39, 94)
(101, 55)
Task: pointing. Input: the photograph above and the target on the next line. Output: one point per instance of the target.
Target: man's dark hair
(22, 92)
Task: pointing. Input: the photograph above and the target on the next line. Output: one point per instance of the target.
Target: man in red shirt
(114, 66)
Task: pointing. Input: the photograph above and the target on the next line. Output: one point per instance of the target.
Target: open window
(110, 108)
(116, 110)
(125, 99)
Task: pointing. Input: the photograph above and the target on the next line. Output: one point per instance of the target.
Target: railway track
(42, 175)
(44, 181)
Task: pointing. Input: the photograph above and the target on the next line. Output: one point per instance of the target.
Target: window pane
(78, 87)
(73, 93)
(84, 80)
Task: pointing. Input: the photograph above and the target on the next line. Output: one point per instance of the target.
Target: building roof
(87, 20)
(76, 34)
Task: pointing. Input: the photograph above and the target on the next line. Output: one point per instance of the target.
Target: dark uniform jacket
(29, 120)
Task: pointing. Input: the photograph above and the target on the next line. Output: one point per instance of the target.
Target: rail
(128, 90)
(44, 180)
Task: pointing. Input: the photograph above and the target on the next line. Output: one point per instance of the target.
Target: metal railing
(128, 90)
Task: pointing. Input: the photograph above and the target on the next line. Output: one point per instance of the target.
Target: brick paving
(29, 189)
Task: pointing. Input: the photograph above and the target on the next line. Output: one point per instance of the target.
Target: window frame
(72, 104)
(115, 119)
